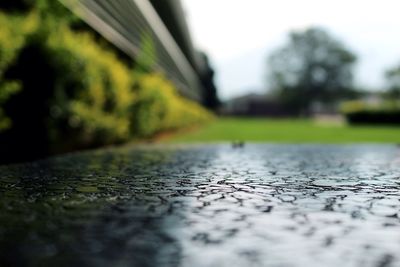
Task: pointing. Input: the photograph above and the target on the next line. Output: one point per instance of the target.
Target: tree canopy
(311, 67)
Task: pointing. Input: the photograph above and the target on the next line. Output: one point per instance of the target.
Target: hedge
(93, 89)
(159, 107)
(359, 112)
(13, 33)
(88, 96)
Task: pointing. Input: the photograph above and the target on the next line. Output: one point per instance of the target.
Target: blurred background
(78, 74)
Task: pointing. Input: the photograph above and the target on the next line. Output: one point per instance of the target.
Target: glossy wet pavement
(213, 205)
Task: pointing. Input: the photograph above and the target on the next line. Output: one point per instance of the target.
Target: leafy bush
(359, 112)
(159, 107)
(110, 103)
(13, 34)
(93, 89)
(68, 91)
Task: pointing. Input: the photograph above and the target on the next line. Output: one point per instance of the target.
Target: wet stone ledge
(212, 205)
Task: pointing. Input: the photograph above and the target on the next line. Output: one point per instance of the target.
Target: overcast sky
(238, 35)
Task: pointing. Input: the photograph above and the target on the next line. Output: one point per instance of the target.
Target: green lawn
(287, 131)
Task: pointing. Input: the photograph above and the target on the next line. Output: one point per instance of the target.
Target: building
(126, 23)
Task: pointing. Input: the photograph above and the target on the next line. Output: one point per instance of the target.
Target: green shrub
(68, 91)
(93, 90)
(159, 107)
(374, 117)
(360, 112)
(13, 33)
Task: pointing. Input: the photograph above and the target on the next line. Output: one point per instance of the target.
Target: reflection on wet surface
(274, 205)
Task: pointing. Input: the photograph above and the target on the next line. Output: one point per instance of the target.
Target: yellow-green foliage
(383, 112)
(6, 90)
(351, 106)
(13, 32)
(159, 107)
(107, 108)
(101, 102)
(96, 99)
(360, 105)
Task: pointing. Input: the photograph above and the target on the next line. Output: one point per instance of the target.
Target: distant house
(254, 105)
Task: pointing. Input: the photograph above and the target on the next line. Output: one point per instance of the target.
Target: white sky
(238, 35)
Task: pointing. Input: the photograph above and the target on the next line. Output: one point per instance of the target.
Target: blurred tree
(393, 79)
(210, 96)
(311, 67)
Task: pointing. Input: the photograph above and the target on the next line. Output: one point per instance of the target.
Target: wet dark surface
(260, 205)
